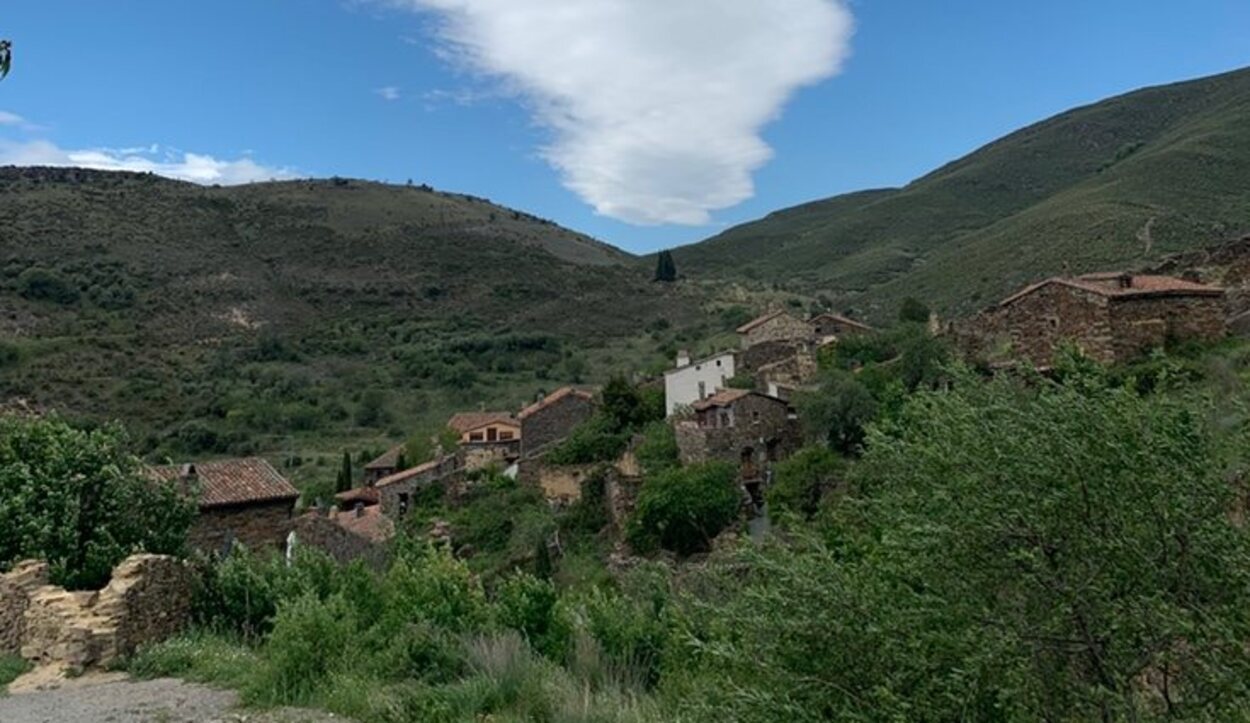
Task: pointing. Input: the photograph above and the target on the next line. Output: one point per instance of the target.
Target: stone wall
(147, 600)
(257, 526)
(480, 455)
(761, 431)
(783, 327)
(392, 496)
(761, 355)
(622, 493)
(554, 422)
(1142, 323)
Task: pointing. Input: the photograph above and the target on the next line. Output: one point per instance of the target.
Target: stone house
(835, 326)
(551, 419)
(360, 533)
(387, 464)
(745, 428)
(1110, 317)
(397, 492)
(241, 501)
(774, 326)
(486, 438)
(691, 381)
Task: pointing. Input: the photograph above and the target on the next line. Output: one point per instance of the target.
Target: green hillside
(275, 317)
(1120, 182)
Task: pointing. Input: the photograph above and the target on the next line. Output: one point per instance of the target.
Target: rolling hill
(1122, 182)
(284, 315)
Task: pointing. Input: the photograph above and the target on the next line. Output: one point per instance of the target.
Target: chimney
(683, 358)
(360, 509)
(1126, 281)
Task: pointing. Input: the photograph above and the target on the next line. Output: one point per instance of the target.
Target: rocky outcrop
(147, 600)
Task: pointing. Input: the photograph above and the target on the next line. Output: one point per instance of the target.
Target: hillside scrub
(77, 499)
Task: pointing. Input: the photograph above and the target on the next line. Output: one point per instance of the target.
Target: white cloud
(655, 106)
(194, 167)
(388, 92)
(11, 119)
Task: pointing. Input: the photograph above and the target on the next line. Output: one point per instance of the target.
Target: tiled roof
(367, 495)
(231, 482)
(469, 421)
(368, 523)
(723, 398)
(761, 320)
(841, 320)
(408, 474)
(1108, 284)
(388, 460)
(552, 398)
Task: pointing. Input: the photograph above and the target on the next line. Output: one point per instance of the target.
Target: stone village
(732, 406)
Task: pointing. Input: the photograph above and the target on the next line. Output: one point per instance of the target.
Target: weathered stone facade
(257, 525)
(396, 492)
(749, 429)
(760, 355)
(147, 600)
(835, 325)
(777, 326)
(1107, 323)
(481, 455)
(550, 420)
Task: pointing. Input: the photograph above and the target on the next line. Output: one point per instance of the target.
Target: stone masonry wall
(324, 534)
(257, 526)
(1140, 324)
(147, 600)
(1040, 323)
(15, 589)
(760, 425)
(554, 422)
(781, 328)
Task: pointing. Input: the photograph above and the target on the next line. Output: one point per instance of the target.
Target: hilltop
(1122, 182)
(232, 319)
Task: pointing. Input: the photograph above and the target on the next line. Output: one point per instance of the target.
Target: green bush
(837, 411)
(77, 499)
(11, 666)
(599, 439)
(682, 510)
(527, 604)
(801, 482)
(10, 354)
(658, 449)
(311, 638)
(40, 284)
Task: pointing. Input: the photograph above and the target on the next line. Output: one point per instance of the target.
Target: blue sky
(548, 110)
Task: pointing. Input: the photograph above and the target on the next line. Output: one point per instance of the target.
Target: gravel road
(150, 701)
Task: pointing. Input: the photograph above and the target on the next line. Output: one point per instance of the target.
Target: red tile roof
(723, 398)
(367, 495)
(388, 460)
(761, 320)
(1108, 284)
(368, 523)
(465, 422)
(408, 474)
(231, 482)
(552, 398)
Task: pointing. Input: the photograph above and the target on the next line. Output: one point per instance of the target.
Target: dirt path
(113, 698)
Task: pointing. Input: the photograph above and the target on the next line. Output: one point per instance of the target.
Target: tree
(913, 310)
(837, 411)
(803, 480)
(683, 509)
(6, 58)
(344, 481)
(665, 268)
(77, 499)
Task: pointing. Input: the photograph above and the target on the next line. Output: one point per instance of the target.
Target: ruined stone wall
(15, 589)
(321, 532)
(554, 422)
(769, 352)
(784, 327)
(1142, 323)
(622, 493)
(256, 526)
(480, 455)
(147, 600)
(389, 495)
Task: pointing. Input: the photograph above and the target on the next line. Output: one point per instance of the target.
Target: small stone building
(836, 326)
(359, 533)
(1110, 317)
(387, 464)
(746, 428)
(487, 438)
(551, 419)
(241, 501)
(397, 492)
(774, 326)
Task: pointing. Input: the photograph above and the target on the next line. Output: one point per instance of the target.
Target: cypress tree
(665, 269)
(345, 474)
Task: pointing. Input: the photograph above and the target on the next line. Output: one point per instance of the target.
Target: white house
(693, 381)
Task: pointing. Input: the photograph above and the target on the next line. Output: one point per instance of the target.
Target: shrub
(803, 480)
(837, 411)
(77, 499)
(658, 449)
(310, 639)
(682, 510)
(527, 604)
(40, 284)
(10, 354)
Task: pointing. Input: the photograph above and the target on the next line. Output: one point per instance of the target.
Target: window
(505, 435)
(492, 434)
(718, 362)
(475, 437)
(724, 419)
(755, 416)
(403, 504)
(1054, 322)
